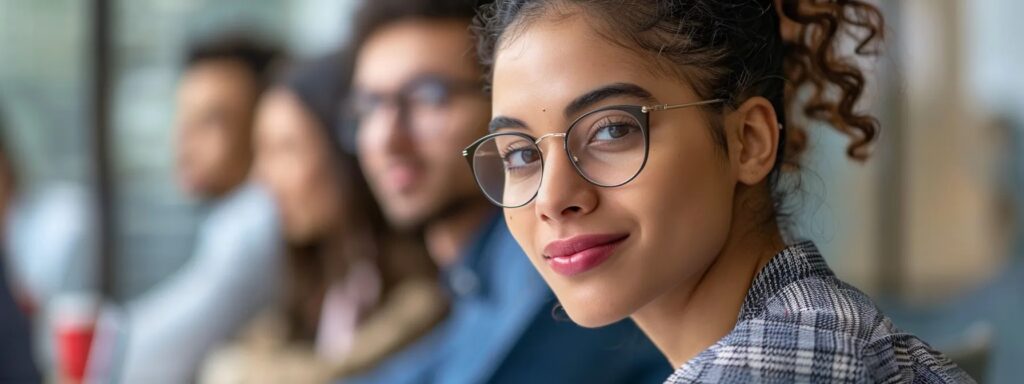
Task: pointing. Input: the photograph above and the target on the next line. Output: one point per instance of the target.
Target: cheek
(216, 147)
(521, 222)
(204, 151)
(466, 123)
(447, 167)
(365, 142)
(303, 180)
(371, 152)
(684, 205)
(441, 154)
(324, 192)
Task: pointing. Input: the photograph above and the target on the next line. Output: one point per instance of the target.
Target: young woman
(636, 149)
(354, 291)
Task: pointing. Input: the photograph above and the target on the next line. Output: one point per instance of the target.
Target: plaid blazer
(800, 323)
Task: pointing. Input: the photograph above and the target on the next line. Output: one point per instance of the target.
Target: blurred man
(217, 98)
(232, 272)
(419, 101)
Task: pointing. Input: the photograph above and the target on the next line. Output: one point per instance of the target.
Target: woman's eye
(612, 132)
(520, 157)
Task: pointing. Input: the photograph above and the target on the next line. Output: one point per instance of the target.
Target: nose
(387, 131)
(563, 193)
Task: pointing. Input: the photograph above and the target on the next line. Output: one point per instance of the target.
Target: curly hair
(787, 51)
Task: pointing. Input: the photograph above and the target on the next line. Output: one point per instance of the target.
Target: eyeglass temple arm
(663, 107)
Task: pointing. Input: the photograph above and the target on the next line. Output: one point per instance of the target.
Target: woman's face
(293, 160)
(607, 252)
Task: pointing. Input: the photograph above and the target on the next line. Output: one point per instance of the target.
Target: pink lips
(579, 254)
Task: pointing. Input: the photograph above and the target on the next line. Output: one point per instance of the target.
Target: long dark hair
(787, 51)
(312, 266)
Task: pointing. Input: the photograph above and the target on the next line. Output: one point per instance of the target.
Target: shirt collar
(796, 262)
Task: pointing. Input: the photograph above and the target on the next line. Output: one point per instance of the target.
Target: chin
(403, 218)
(300, 236)
(586, 314)
(591, 319)
(413, 211)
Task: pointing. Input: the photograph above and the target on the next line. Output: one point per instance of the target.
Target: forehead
(548, 62)
(216, 82)
(218, 73)
(281, 109)
(405, 49)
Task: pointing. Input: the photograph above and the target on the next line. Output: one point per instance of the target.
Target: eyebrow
(584, 101)
(500, 122)
(579, 104)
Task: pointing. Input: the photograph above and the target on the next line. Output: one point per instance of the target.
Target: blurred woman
(354, 291)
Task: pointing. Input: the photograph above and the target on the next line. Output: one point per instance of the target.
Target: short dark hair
(258, 57)
(376, 14)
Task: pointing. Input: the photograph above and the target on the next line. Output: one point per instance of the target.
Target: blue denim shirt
(503, 328)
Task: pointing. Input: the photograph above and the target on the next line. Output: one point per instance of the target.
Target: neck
(216, 194)
(701, 310)
(447, 237)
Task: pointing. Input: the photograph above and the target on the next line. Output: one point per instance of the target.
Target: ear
(756, 140)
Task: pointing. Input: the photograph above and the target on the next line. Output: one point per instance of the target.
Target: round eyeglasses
(608, 147)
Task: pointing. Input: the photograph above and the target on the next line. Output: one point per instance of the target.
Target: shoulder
(244, 226)
(765, 350)
(819, 329)
(835, 310)
(248, 211)
(827, 304)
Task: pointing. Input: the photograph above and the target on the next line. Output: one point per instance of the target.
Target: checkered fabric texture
(800, 324)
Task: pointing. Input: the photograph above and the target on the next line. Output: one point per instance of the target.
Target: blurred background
(53, 81)
(930, 226)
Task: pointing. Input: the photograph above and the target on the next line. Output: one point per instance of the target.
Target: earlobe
(758, 134)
